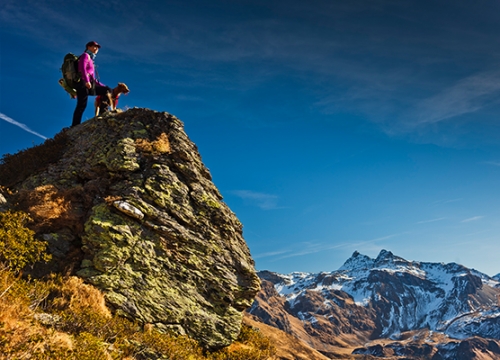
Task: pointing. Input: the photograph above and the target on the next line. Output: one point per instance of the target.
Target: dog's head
(122, 88)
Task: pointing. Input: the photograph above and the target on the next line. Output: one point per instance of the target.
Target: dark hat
(92, 43)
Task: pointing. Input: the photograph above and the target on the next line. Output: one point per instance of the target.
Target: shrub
(83, 329)
(159, 146)
(251, 345)
(155, 344)
(20, 336)
(18, 248)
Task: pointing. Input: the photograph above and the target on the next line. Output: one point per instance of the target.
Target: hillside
(288, 347)
(386, 307)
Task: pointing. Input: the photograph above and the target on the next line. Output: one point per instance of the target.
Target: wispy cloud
(270, 254)
(306, 248)
(262, 200)
(474, 218)
(309, 248)
(468, 95)
(446, 201)
(409, 114)
(22, 126)
(494, 163)
(300, 249)
(431, 220)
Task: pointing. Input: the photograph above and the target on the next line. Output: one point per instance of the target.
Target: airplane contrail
(22, 126)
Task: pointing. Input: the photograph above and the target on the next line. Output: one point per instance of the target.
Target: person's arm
(83, 66)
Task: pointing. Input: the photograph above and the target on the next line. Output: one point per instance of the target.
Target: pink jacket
(86, 68)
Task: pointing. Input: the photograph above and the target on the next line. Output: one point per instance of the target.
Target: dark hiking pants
(82, 97)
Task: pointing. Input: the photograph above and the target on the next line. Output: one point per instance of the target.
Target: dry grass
(20, 335)
(287, 346)
(83, 328)
(52, 208)
(45, 204)
(17, 167)
(252, 344)
(159, 146)
(74, 295)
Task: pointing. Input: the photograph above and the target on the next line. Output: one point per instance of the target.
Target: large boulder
(129, 195)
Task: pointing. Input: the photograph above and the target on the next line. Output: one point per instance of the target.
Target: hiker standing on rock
(88, 85)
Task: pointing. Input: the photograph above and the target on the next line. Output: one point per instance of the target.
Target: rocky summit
(125, 202)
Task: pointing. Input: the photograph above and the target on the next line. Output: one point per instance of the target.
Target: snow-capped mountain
(384, 297)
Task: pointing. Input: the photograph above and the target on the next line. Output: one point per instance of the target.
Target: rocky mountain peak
(357, 261)
(387, 257)
(384, 255)
(126, 203)
(386, 298)
(360, 262)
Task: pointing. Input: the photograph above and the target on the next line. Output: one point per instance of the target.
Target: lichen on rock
(154, 233)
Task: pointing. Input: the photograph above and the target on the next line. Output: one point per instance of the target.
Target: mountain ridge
(368, 299)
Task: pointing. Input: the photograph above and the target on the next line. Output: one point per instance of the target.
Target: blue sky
(328, 126)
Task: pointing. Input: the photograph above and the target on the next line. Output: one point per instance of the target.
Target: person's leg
(82, 97)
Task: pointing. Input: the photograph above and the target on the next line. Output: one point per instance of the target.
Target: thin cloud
(262, 200)
(494, 163)
(474, 218)
(366, 242)
(466, 96)
(270, 254)
(306, 249)
(431, 220)
(313, 248)
(382, 238)
(446, 201)
(22, 126)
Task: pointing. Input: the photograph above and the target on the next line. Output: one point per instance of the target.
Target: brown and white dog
(104, 103)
